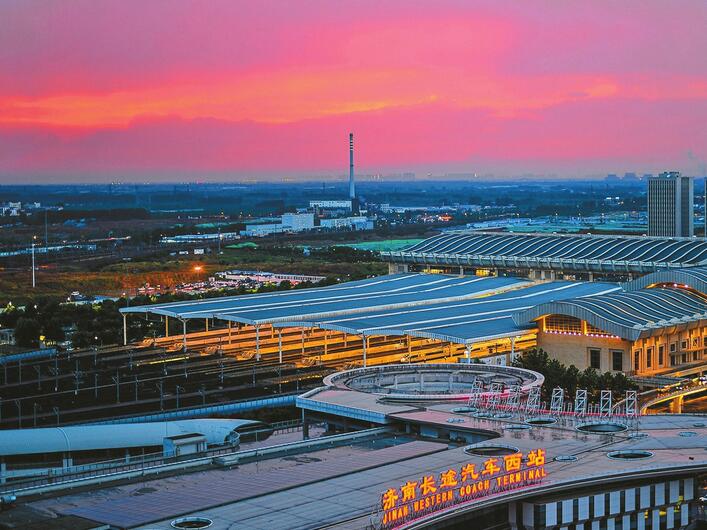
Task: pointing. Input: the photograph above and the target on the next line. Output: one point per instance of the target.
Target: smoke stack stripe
(352, 186)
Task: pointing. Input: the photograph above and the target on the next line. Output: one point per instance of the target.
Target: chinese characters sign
(453, 486)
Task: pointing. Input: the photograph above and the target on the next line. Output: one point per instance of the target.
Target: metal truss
(557, 402)
(513, 398)
(631, 404)
(605, 408)
(477, 388)
(532, 405)
(495, 397)
(580, 402)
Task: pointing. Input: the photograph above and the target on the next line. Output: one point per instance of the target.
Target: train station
(644, 327)
(411, 412)
(549, 256)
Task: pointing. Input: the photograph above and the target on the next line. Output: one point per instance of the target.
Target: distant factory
(321, 214)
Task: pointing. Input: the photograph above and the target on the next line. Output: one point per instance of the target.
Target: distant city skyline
(182, 90)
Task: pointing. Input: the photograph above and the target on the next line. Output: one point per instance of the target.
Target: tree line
(570, 378)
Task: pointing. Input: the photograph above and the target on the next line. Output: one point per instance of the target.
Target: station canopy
(380, 293)
(462, 322)
(689, 277)
(561, 252)
(629, 315)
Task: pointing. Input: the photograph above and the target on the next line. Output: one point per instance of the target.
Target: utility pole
(34, 283)
(116, 380)
(178, 389)
(159, 385)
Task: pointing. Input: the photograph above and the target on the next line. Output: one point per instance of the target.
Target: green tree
(27, 332)
(53, 330)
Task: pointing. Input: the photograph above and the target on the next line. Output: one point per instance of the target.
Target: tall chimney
(352, 186)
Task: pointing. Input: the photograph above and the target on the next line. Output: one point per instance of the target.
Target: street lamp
(178, 389)
(34, 283)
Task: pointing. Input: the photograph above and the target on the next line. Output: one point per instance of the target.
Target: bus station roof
(629, 315)
(560, 252)
(383, 292)
(465, 321)
(691, 277)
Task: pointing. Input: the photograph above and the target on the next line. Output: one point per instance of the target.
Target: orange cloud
(284, 97)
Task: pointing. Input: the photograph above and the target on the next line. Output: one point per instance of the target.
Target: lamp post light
(34, 282)
(178, 389)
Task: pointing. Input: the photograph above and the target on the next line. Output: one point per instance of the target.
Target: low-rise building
(640, 331)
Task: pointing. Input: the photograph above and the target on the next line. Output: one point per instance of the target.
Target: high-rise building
(670, 205)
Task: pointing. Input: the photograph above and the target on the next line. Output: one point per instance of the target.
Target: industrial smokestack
(352, 185)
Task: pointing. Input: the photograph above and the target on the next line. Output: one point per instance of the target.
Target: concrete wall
(574, 349)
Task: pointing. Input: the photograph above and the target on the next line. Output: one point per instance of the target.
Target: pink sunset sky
(216, 89)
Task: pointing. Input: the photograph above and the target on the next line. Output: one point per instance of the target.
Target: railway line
(221, 364)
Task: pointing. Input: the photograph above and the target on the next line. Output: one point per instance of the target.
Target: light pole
(178, 389)
(34, 283)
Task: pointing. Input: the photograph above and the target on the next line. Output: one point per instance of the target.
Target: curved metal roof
(578, 252)
(465, 321)
(97, 437)
(628, 315)
(390, 291)
(691, 277)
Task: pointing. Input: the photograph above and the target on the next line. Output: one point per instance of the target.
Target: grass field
(386, 245)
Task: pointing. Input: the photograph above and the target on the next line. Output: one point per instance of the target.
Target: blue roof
(692, 277)
(629, 315)
(383, 292)
(465, 321)
(555, 252)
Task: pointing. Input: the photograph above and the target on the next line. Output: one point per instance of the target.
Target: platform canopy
(629, 315)
(689, 277)
(462, 322)
(589, 253)
(383, 292)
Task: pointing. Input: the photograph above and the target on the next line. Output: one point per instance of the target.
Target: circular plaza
(432, 382)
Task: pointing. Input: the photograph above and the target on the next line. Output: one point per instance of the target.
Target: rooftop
(629, 315)
(464, 321)
(341, 487)
(383, 292)
(585, 252)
